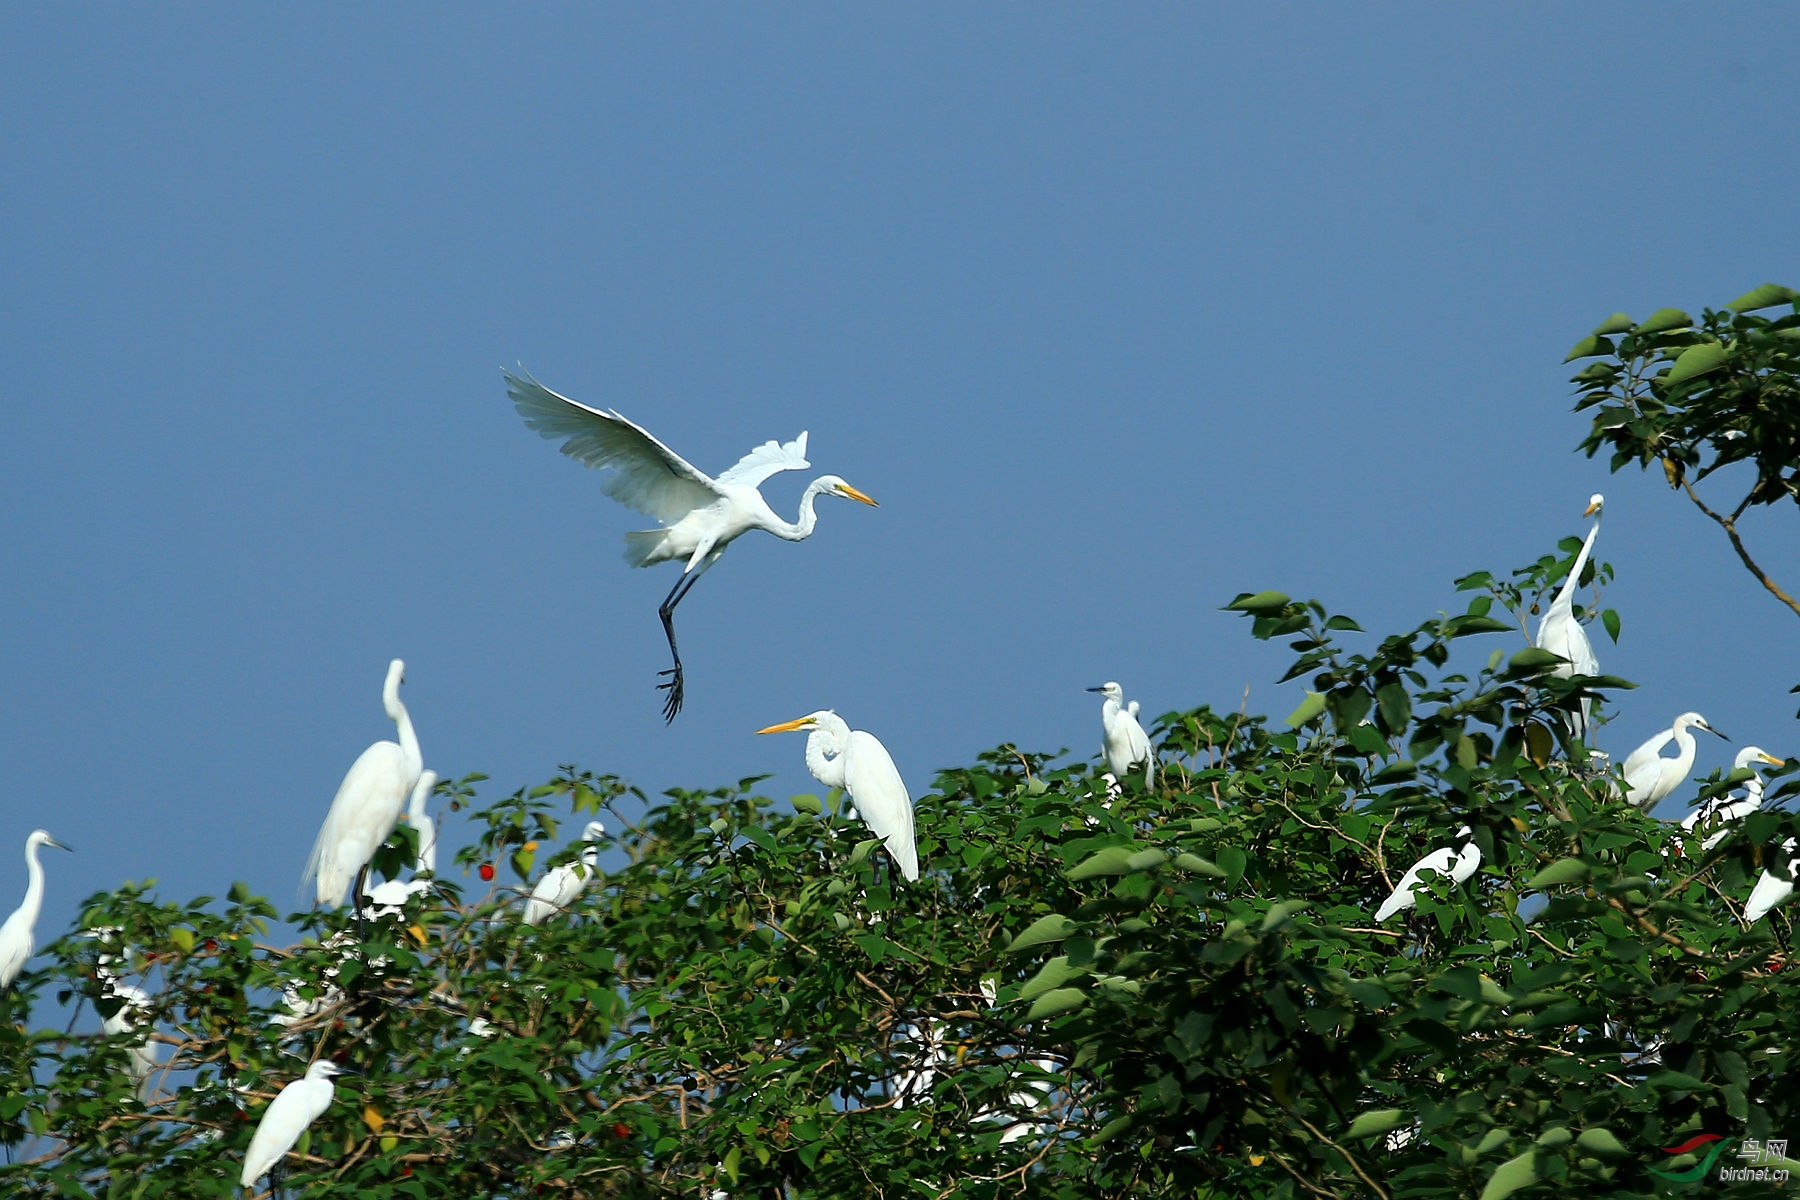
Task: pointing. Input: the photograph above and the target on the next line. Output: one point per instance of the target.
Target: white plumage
(1561, 634)
(1457, 863)
(1721, 813)
(562, 886)
(1123, 738)
(841, 757)
(419, 819)
(1770, 890)
(368, 802)
(700, 515)
(1649, 776)
(16, 942)
(297, 1105)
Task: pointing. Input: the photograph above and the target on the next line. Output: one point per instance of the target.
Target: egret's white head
(1464, 833)
(833, 485)
(41, 837)
(390, 691)
(1595, 503)
(1751, 755)
(1693, 720)
(325, 1069)
(593, 832)
(1111, 691)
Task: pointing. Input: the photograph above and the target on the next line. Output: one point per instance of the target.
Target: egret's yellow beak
(856, 495)
(1589, 510)
(1770, 758)
(796, 723)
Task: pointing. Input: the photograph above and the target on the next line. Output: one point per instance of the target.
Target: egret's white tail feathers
(644, 546)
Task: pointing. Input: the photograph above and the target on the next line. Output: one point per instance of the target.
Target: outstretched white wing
(766, 460)
(646, 475)
(880, 797)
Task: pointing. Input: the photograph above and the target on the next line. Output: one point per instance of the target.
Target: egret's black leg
(672, 704)
(356, 899)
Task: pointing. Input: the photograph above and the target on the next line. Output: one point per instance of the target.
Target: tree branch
(1737, 543)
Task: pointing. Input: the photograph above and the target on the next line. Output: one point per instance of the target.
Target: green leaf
(1617, 323)
(1146, 859)
(1281, 914)
(1258, 602)
(1766, 296)
(1510, 1176)
(1533, 659)
(1052, 974)
(1375, 1121)
(1198, 865)
(1589, 347)
(1055, 1002)
(1113, 860)
(806, 803)
(1601, 1140)
(1663, 320)
(1696, 360)
(1052, 927)
(1610, 619)
(1234, 860)
(1564, 870)
(1309, 710)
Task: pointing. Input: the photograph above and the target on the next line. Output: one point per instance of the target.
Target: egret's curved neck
(34, 884)
(1566, 597)
(409, 741)
(825, 754)
(802, 529)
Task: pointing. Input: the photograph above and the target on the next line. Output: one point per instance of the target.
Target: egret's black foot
(672, 702)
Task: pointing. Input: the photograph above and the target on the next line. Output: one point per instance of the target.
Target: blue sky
(1117, 312)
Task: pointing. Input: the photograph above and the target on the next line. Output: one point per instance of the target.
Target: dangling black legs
(672, 703)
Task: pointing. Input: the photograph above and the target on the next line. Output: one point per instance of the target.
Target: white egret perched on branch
(1649, 776)
(700, 515)
(295, 1107)
(1124, 740)
(15, 936)
(841, 757)
(368, 802)
(1771, 889)
(562, 886)
(1722, 812)
(1562, 635)
(1457, 863)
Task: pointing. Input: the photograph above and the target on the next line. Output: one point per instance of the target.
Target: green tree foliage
(1169, 993)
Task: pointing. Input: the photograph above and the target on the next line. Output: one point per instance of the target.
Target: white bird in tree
(419, 819)
(297, 1105)
(1457, 862)
(841, 757)
(700, 515)
(562, 886)
(16, 944)
(1722, 813)
(1564, 636)
(368, 802)
(1124, 740)
(1649, 776)
(1771, 889)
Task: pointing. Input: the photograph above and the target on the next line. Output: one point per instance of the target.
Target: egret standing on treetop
(1722, 812)
(700, 515)
(1124, 740)
(1458, 864)
(841, 757)
(368, 802)
(15, 936)
(561, 886)
(295, 1107)
(1562, 635)
(1648, 776)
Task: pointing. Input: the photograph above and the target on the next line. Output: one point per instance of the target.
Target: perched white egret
(419, 819)
(1770, 889)
(15, 936)
(700, 515)
(1723, 812)
(1561, 634)
(297, 1105)
(368, 802)
(841, 757)
(562, 886)
(1124, 740)
(141, 1054)
(1649, 776)
(1457, 863)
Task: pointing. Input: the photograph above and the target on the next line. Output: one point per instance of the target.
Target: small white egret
(1125, 742)
(1723, 812)
(1770, 889)
(368, 802)
(1649, 776)
(1561, 634)
(419, 819)
(15, 936)
(141, 1058)
(1457, 863)
(841, 757)
(297, 1105)
(700, 515)
(562, 886)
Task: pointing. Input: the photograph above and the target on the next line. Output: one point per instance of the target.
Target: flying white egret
(1458, 864)
(15, 936)
(1723, 812)
(1770, 889)
(1649, 776)
(419, 819)
(1561, 634)
(700, 515)
(368, 802)
(297, 1105)
(1124, 740)
(841, 757)
(562, 886)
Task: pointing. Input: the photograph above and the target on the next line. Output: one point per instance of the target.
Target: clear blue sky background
(1118, 312)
